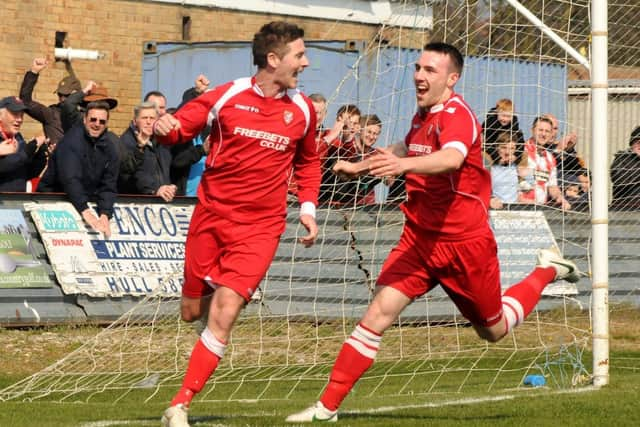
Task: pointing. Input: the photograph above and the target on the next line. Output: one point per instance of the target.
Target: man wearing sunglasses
(85, 165)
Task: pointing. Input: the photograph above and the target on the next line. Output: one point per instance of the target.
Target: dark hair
(318, 97)
(97, 105)
(542, 119)
(350, 109)
(273, 37)
(153, 93)
(457, 60)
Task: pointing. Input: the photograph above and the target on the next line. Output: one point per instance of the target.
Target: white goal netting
(287, 339)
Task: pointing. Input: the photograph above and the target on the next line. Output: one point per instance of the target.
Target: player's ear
(273, 59)
(453, 79)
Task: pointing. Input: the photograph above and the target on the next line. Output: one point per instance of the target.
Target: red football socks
(202, 363)
(520, 299)
(355, 358)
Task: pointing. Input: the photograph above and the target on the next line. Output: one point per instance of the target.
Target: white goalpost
(286, 340)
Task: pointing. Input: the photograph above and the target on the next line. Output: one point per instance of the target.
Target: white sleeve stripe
(238, 86)
(299, 101)
(472, 116)
(458, 146)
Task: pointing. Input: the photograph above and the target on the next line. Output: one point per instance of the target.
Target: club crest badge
(288, 117)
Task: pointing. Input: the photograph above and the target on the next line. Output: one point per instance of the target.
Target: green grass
(614, 405)
(440, 393)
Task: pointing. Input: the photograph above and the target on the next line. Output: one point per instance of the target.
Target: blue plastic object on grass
(534, 380)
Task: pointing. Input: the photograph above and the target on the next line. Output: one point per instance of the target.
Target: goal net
(286, 340)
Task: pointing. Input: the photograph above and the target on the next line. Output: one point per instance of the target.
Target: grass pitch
(397, 402)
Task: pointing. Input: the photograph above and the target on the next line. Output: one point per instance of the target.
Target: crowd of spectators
(78, 155)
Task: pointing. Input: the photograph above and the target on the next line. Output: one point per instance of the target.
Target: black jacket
(85, 168)
(17, 168)
(70, 114)
(625, 177)
(154, 168)
(48, 116)
(130, 161)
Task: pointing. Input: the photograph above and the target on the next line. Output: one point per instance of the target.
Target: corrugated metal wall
(623, 117)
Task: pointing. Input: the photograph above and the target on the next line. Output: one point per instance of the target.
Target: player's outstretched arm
(386, 163)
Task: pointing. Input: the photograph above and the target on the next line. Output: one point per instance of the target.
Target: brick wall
(119, 28)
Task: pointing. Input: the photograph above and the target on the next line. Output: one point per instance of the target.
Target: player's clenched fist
(166, 124)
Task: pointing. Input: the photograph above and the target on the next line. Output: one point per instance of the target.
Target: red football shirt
(255, 140)
(453, 205)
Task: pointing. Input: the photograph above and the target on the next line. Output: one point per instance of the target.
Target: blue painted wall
(378, 82)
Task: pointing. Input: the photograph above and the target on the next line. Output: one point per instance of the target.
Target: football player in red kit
(261, 127)
(446, 239)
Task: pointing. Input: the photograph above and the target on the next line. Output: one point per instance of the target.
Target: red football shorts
(468, 270)
(221, 252)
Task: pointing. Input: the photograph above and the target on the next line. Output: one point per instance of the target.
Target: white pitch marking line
(466, 401)
(109, 423)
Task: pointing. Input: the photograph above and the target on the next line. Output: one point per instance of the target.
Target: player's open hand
(309, 223)
(385, 163)
(165, 124)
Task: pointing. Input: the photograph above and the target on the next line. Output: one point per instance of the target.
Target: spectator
(49, 116)
(340, 143)
(85, 166)
(577, 198)
(159, 99)
(538, 168)
(625, 175)
(20, 161)
(71, 109)
(502, 119)
(319, 103)
(320, 106)
(370, 129)
(189, 159)
(8, 146)
(151, 161)
(571, 167)
(345, 128)
(504, 172)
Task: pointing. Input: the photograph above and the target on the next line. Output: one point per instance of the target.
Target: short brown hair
(273, 37)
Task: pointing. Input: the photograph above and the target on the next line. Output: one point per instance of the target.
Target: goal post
(600, 205)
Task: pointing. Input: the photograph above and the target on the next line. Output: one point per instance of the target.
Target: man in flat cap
(49, 116)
